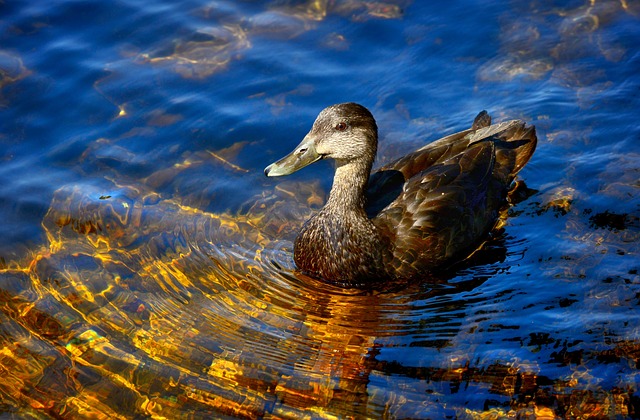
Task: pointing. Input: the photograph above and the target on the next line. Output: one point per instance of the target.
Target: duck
(413, 216)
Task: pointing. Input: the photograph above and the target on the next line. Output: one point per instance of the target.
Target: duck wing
(386, 183)
(443, 198)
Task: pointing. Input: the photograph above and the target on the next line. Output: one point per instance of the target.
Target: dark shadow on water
(613, 221)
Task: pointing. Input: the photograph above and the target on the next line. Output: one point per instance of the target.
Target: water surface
(145, 260)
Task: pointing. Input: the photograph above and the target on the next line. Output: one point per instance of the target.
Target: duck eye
(341, 126)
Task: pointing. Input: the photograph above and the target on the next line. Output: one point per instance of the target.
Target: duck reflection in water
(412, 216)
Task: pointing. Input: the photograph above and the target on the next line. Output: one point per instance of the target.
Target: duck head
(344, 132)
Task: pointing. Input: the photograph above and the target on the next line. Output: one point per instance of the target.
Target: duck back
(438, 202)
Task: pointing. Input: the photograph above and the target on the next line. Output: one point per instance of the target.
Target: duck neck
(349, 183)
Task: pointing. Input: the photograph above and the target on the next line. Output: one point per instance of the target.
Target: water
(146, 262)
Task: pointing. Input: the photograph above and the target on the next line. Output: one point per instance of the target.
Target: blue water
(176, 108)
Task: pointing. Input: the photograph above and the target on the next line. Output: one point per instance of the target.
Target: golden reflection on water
(142, 305)
(121, 294)
(136, 317)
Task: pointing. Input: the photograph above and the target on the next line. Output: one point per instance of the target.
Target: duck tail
(483, 119)
(527, 141)
(515, 144)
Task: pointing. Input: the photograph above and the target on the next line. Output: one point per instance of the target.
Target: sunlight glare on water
(146, 263)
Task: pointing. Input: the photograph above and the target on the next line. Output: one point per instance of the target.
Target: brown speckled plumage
(413, 215)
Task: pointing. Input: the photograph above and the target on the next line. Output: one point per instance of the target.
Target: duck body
(411, 216)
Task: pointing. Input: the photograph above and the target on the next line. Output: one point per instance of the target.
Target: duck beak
(303, 155)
